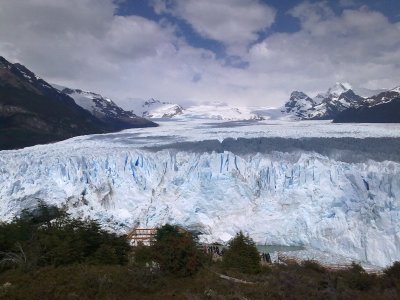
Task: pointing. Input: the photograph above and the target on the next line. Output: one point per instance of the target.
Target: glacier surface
(289, 197)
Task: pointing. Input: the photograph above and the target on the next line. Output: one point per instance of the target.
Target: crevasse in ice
(352, 209)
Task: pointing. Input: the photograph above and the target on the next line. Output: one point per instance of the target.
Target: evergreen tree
(176, 252)
(48, 236)
(242, 255)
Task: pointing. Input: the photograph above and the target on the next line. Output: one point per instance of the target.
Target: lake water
(278, 248)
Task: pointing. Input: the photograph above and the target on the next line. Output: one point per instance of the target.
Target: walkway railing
(143, 236)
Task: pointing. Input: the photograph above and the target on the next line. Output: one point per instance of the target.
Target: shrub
(393, 271)
(48, 236)
(356, 278)
(176, 252)
(242, 255)
(143, 255)
(313, 265)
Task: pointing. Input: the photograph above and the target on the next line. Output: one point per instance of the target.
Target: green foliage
(89, 281)
(392, 276)
(393, 271)
(242, 255)
(143, 255)
(356, 278)
(176, 252)
(48, 236)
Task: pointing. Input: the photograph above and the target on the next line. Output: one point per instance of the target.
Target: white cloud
(360, 46)
(235, 23)
(83, 44)
(136, 37)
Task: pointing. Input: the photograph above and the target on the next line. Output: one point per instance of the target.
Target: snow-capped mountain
(334, 104)
(339, 88)
(381, 108)
(153, 108)
(220, 111)
(396, 89)
(385, 112)
(325, 106)
(299, 105)
(156, 109)
(383, 97)
(105, 109)
(32, 111)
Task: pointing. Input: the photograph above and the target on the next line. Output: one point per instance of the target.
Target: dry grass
(307, 281)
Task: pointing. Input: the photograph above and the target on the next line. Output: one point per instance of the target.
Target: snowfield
(329, 187)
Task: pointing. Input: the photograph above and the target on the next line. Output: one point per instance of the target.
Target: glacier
(321, 200)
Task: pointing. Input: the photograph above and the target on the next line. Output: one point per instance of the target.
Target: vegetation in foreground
(47, 255)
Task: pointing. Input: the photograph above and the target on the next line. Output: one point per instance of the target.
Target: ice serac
(289, 198)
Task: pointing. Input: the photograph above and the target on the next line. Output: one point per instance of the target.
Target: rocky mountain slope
(299, 105)
(327, 106)
(381, 108)
(105, 109)
(156, 109)
(33, 112)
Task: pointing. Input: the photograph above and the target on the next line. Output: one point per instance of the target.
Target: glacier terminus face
(328, 187)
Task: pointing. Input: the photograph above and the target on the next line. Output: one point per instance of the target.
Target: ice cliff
(285, 198)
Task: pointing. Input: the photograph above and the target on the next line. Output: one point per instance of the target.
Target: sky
(241, 52)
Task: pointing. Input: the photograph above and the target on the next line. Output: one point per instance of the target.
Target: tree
(48, 236)
(176, 252)
(242, 255)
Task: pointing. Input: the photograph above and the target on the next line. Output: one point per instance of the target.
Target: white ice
(344, 208)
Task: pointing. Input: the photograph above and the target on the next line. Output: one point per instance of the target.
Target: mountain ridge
(105, 109)
(33, 112)
(338, 99)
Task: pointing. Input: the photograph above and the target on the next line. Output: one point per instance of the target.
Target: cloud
(135, 37)
(235, 23)
(360, 46)
(80, 42)
(84, 44)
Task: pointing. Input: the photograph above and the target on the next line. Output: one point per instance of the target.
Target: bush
(356, 278)
(48, 236)
(393, 271)
(242, 255)
(176, 251)
(313, 265)
(143, 255)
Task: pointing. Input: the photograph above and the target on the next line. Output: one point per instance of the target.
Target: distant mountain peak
(152, 101)
(35, 112)
(396, 89)
(298, 95)
(299, 104)
(339, 88)
(105, 109)
(154, 108)
(327, 105)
